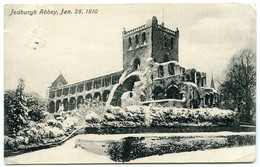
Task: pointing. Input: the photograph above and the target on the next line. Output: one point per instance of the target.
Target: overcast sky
(86, 46)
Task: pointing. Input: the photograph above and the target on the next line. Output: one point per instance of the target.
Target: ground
(67, 153)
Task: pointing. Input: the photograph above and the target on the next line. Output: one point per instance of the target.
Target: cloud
(218, 31)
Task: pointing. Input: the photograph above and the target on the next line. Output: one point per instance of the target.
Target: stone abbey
(151, 75)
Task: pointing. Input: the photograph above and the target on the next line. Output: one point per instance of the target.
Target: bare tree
(238, 90)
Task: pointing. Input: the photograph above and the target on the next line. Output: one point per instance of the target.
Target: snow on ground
(63, 154)
(67, 153)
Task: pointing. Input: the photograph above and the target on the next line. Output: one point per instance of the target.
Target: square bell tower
(150, 40)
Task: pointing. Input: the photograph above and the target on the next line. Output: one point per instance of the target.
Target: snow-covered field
(67, 153)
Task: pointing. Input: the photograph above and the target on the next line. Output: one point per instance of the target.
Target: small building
(151, 75)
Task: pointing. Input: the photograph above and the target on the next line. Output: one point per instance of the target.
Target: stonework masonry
(151, 75)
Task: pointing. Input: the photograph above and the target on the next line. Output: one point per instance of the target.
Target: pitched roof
(59, 81)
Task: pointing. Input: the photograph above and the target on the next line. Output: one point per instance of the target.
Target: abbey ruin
(151, 75)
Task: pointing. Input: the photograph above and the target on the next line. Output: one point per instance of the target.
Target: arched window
(72, 89)
(80, 88)
(183, 70)
(136, 64)
(97, 96)
(160, 71)
(136, 39)
(88, 97)
(198, 77)
(105, 95)
(129, 42)
(165, 58)
(158, 93)
(187, 77)
(172, 42)
(211, 97)
(72, 103)
(172, 93)
(58, 105)
(65, 104)
(206, 99)
(59, 93)
(52, 94)
(143, 37)
(171, 69)
(192, 73)
(80, 101)
(65, 91)
(165, 41)
(52, 107)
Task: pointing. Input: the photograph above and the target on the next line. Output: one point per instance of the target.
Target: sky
(89, 45)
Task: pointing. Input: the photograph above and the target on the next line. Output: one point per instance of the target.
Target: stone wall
(134, 52)
(69, 97)
(165, 44)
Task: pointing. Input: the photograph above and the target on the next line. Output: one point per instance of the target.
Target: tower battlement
(126, 33)
(150, 40)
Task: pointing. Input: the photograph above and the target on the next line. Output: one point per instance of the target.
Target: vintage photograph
(130, 83)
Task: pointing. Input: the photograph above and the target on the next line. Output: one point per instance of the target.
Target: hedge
(131, 148)
(134, 116)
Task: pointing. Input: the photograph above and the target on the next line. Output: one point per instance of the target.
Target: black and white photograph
(129, 83)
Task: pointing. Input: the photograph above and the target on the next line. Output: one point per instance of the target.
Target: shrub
(37, 107)
(20, 108)
(92, 117)
(168, 116)
(130, 148)
(9, 143)
(15, 111)
(109, 117)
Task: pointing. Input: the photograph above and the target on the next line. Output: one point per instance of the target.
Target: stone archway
(143, 37)
(187, 77)
(211, 97)
(58, 104)
(136, 64)
(105, 95)
(97, 96)
(198, 77)
(193, 75)
(160, 71)
(127, 85)
(158, 93)
(80, 101)
(206, 98)
(172, 92)
(72, 104)
(88, 97)
(171, 69)
(52, 107)
(65, 104)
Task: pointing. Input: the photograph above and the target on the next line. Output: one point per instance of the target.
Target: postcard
(129, 83)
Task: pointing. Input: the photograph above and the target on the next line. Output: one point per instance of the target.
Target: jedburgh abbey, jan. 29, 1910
(52, 12)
